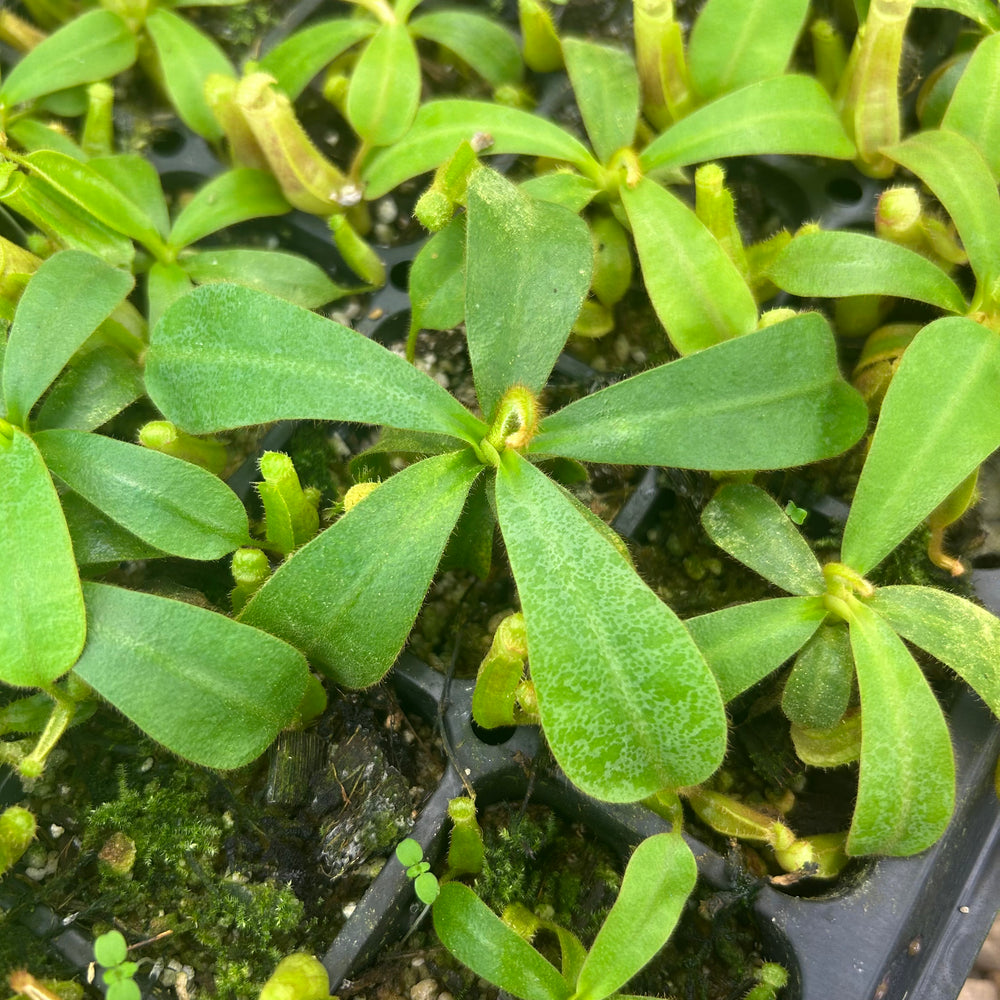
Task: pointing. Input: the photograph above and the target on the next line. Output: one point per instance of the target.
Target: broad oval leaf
(627, 703)
(974, 109)
(906, 786)
(606, 86)
(485, 45)
(97, 539)
(171, 504)
(439, 128)
(953, 167)
(301, 56)
(934, 429)
(742, 519)
(772, 399)
(94, 46)
(835, 264)
(697, 291)
(187, 57)
(658, 879)
(137, 180)
(348, 598)
(818, 689)
(786, 114)
(528, 266)
(953, 630)
(385, 86)
(737, 42)
(745, 643)
(66, 300)
(206, 687)
(437, 279)
(480, 940)
(42, 623)
(227, 356)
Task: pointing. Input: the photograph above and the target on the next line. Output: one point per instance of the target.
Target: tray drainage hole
(845, 190)
(167, 142)
(399, 275)
(493, 737)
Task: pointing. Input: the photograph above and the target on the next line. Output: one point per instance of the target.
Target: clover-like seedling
(411, 856)
(118, 974)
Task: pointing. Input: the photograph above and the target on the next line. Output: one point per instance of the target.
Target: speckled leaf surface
(906, 786)
(210, 689)
(627, 702)
(974, 109)
(348, 598)
(42, 624)
(227, 356)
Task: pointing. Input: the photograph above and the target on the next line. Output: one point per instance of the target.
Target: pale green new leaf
(482, 942)
(94, 46)
(187, 57)
(484, 44)
(936, 426)
(564, 187)
(227, 356)
(606, 86)
(147, 656)
(42, 624)
(378, 561)
(232, 197)
(301, 56)
(658, 880)
(906, 787)
(385, 86)
(745, 643)
(171, 504)
(786, 114)
(818, 689)
(953, 630)
(136, 178)
(772, 399)
(67, 298)
(440, 127)
(437, 279)
(834, 264)
(742, 519)
(528, 266)
(974, 109)
(737, 42)
(983, 12)
(697, 291)
(953, 167)
(627, 703)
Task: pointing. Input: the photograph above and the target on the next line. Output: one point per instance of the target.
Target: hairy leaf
(484, 44)
(974, 109)
(385, 86)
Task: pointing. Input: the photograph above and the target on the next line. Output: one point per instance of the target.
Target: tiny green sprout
(17, 830)
(111, 952)
(771, 978)
(411, 855)
(796, 514)
(299, 976)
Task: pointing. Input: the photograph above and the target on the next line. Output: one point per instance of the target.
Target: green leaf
(772, 399)
(30, 135)
(437, 279)
(110, 949)
(169, 503)
(627, 703)
(936, 426)
(91, 390)
(439, 128)
(94, 46)
(955, 631)
(300, 57)
(165, 284)
(480, 940)
(818, 689)
(697, 291)
(737, 42)
(955, 171)
(983, 12)
(137, 180)
(528, 267)
(348, 599)
(187, 57)
(222, 710)
(831, 265)
(67, 298)
(289, 276)
(227, 356)
(742, 519)
(562, 187)
(485, 45)
(974, 109)
(786, 114)
(658, 880)
(232, 197)
(97, 539)
(606, 86)
(42, 625)
(745, 643)
(385, 87)
(906, 788)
